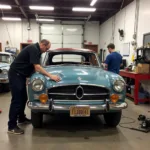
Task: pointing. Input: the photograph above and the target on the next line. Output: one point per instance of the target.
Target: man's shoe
(16, 131)
(24, 121)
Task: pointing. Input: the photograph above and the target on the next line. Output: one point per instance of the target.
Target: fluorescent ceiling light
(51, 20)
(11, 19)
(83, 9)
(5, 6)
(41, 7)
(93, 2)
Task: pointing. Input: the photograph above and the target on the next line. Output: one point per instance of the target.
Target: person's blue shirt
(114, 60)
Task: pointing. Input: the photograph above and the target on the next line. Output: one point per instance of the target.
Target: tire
(6, 87)
(36, 119)
(112, 119)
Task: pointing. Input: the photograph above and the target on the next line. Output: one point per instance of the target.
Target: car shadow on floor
(65, 126)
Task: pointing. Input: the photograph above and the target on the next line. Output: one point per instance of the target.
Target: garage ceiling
(63, 9)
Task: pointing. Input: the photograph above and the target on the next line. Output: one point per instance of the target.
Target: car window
(93, 60)
(67, 58)
(75, 58)
(12, 58)
(4, 58)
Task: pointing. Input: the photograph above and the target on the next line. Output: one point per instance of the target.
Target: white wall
(125, 19)
(33, 34)
(144, 20)
(106, 33)
(92, 32)
(19, 33)
(122, 20)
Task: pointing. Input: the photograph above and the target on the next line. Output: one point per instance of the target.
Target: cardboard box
(143, 68)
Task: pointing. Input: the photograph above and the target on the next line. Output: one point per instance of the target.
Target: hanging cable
(113, 27)
(125, 18)
(7, 29)
(129, 122)
(122, 4)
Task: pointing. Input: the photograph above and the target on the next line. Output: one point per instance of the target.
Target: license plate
(79, 111)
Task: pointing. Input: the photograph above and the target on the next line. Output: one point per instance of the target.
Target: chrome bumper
(4, 80)
(44, 107)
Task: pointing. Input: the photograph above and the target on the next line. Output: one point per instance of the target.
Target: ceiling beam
(21, 9)
(59, 13)
(98, 8)
(66, 2)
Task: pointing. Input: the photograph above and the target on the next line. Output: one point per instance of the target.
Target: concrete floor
(65, 133)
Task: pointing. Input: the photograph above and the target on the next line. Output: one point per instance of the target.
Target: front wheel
(112, 119)
(36, 119)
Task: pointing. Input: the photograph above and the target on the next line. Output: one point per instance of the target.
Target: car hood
(4, 65)
(82, 75)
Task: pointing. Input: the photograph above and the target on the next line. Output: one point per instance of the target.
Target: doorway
(91, 47)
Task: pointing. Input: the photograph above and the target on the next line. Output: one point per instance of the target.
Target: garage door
(52, 33)
(63, 36)
(72, 36)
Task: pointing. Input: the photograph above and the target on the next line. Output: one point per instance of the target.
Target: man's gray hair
(45, 42)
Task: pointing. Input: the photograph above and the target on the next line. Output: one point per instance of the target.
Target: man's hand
(38, 68)
(104, 66)
(55, 78)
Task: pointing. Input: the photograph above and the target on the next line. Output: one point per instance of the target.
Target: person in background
(113, 60)
(25, 64)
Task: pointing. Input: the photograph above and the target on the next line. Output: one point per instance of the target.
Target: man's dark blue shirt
(114, 60)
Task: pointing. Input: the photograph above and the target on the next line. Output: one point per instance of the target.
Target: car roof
(71, 49)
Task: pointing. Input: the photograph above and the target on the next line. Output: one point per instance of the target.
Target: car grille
(78, 92)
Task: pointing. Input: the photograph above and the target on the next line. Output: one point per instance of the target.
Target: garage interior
(122, 22)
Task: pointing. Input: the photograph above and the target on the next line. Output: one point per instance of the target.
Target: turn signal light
(114, 98)
(43, 98)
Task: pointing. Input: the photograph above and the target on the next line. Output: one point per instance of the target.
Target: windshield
(76, 58)
(4, 58)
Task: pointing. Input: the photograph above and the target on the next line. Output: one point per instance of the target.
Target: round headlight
(119, 85)
(5, 72)
(37, 85)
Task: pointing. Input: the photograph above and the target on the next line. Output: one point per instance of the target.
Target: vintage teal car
(5, 60)
(85, 88)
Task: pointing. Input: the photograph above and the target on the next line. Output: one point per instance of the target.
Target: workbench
(137, 77)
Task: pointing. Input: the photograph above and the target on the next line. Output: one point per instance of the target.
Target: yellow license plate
(80, 111)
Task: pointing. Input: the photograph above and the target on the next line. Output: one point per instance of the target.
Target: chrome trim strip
(85, 94)
(39, 106)
(54, 86)
(57, 100)
(3, 78)
(63, 94)
(97, 94)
